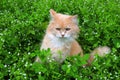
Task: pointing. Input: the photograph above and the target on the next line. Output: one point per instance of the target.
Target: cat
(61, 35)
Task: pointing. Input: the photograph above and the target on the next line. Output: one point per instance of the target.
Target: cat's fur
(61, 37)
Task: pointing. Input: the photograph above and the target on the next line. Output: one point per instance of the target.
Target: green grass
(23, 25)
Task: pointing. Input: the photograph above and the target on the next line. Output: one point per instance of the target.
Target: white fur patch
(59, 41)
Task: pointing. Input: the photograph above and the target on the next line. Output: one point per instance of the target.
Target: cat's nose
(62, 34)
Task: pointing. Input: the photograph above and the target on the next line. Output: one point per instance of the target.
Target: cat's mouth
(63, 37)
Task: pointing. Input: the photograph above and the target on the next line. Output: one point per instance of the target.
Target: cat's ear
(74, 19)
(52, 13)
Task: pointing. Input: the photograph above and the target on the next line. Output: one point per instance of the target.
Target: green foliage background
(23, 24)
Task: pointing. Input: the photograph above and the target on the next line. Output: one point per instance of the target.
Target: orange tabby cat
(61, 37)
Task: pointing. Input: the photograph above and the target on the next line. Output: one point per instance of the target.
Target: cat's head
(63, 26)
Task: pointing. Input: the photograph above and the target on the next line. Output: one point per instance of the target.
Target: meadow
(22, 27)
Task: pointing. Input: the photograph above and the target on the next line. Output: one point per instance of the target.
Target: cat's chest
(60, 48)
(61, 44)
(56, 44)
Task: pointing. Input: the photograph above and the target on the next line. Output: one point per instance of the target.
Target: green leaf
(116, 43)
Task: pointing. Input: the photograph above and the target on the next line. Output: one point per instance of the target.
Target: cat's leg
(76, 49)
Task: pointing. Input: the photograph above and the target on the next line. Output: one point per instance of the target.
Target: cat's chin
(61, 38)
(65, 38)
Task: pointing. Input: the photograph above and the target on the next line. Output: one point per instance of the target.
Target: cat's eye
(58, 29)
(67, 29)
